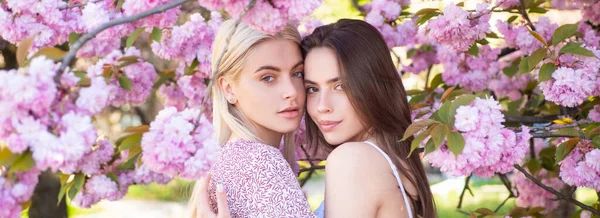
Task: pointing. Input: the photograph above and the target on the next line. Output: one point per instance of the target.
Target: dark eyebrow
(268, 67)
(333, 80)
(301, 62)
(273, 68)
(328, 81)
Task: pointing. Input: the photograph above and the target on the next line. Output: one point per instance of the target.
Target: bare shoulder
(351, 155)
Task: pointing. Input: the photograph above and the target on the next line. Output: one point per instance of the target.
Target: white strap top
(395, 172)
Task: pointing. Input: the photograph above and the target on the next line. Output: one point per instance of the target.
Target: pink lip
(327, 125)
(290, 112)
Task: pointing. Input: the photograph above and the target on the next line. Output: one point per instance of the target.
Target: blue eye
(267, 79)
(311, 89)
(299, 74)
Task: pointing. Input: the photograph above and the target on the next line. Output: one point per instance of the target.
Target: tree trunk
(45, 198)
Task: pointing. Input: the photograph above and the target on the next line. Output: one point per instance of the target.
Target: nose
(290, 91)
(324, 105)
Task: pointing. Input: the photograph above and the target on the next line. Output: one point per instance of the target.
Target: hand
(204, 210)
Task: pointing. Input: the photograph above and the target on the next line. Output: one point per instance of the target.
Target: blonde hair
(237, 39)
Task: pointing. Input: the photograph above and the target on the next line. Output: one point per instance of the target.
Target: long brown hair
(376, 92)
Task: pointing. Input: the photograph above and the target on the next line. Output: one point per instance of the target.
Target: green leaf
(537, 10)
(518, 212)
(492, 35)
(426, 11)
(596, 142)
(482, 41)
(426, 17)
(429, 146)
(51, 53)
(120, 4)
(411, 52)
(7, 158)
(78, 182)
(156, 34)
(438, 133)
(523, 66)
(533, 165)
(417, 98)
(563, 32)
(417, 141)
(510, 70)
(125, 82)
(565, 148)
(415, 127)
(444, 112)
(436, 81)
(568, 131)
(546, 72)
(485, 211)
(114, 178)
(575, 48)
(130, 141)
(23, 163)
(474, 50)
(539, 37)
(536, 57)
(129, 164)
(131, 39)
(73, 37)
(460, 101)
(62, 192)
(191, 70)
(512, 18)
(535, 210)
(456, 142)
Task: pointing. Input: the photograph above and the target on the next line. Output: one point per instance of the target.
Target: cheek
(312, 102)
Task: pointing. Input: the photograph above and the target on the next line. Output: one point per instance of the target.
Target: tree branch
(540, 119)
(312, 169)
(81, 41)
(555, 192)
(552, 135)
(555, 127)
(78, 5)
(525, 16)
(462, 194)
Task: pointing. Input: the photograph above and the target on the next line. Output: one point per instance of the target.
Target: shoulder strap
(395, 172)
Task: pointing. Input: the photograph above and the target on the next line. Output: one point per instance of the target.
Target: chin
(334, 139)
(287, 127)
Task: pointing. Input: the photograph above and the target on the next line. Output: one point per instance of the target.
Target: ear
(226, 86)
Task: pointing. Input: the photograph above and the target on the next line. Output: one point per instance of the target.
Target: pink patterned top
(258, 181)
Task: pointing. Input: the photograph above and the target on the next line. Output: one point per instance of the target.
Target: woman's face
(270, 91)
(326, 102)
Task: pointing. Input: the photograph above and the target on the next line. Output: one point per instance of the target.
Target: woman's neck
(268, 137)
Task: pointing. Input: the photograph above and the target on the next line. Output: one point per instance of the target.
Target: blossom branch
(78, 4)
(312, 168)
(555, 127)
(552, 135)
(524, 14)
(540, 119)
(465, 188)
(508, 186)
(555, 192)
(81, 41)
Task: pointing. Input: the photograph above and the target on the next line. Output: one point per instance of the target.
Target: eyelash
(264, 78)
(299, 76)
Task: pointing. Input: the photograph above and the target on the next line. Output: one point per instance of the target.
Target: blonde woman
(258, 100)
